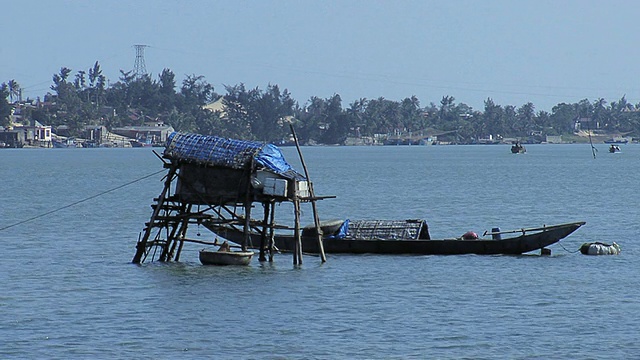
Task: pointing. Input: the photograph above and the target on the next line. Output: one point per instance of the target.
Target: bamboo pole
(524, 230)
(212, 243)
(316, 219)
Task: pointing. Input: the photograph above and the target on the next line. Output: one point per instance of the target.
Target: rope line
(80, 201)
(569, 251)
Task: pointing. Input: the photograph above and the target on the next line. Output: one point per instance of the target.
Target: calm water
(69, 290)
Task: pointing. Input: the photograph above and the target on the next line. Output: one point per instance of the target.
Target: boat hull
(225, 257)
(523, 243)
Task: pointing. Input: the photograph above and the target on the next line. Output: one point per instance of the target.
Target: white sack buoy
(598, 248)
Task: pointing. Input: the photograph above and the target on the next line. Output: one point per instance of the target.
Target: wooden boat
(409, 237)
(208, 257)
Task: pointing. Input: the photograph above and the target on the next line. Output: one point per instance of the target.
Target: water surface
(70, 290)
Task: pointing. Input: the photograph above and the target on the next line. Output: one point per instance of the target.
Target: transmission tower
(140, 69)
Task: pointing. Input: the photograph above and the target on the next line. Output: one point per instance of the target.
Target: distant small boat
(518, 148)
(487, 142)
(67, 143)
(616, 141)
(614, 149)
(208, 257)
(138, 143)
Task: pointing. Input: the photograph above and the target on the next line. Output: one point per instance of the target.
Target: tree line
(85, 98)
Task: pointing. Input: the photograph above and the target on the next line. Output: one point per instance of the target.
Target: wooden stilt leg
(271, 229)
(263, 236)
(141, 246)
(170, 246)
(181, 234)
(171, 237)
(247, 225)
(297, 252)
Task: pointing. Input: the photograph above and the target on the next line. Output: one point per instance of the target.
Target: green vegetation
(256, 114)
(5, 107)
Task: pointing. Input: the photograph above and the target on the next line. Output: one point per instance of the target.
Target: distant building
(217, 105)
(152, 134)
(62, 130)
(586, 124)
(554, 139)
(12, 138)
(35, 134)
(95, 133)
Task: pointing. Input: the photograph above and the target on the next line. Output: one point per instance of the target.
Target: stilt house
(213, 181)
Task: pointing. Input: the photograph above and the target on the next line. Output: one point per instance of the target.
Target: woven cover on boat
(385, 229)
(230, 153)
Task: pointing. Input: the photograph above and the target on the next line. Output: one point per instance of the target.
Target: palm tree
(5, 108)
(14, 89)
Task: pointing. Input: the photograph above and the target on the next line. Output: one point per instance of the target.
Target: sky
(511, 51)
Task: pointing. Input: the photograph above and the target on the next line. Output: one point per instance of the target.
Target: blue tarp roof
(235, 154)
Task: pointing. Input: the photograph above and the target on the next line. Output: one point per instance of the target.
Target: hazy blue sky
(512, 51)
